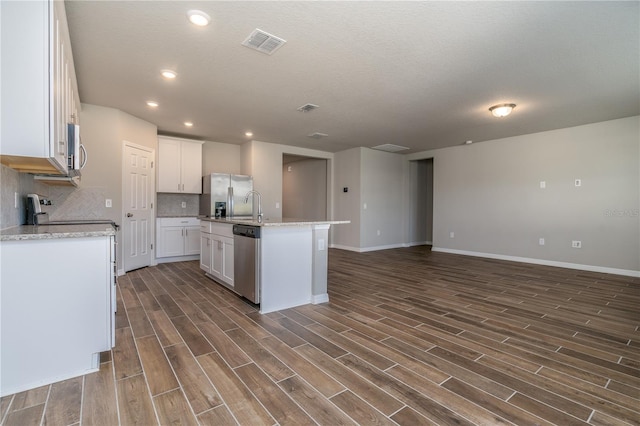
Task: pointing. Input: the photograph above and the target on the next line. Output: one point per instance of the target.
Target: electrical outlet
(541, 241)
(378, 232)
(108, 203)
(277, 205)
(578, 182)
(364, 206)
(184, 204)
(451, 234)
(576, 244)
(321, 244)
(543, 184)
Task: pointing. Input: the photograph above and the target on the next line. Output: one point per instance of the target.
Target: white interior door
(137, 204)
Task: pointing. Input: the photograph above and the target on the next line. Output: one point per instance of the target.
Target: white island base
(286, 268)
(293, 262)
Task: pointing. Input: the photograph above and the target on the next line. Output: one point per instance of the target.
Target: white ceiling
(417, 74)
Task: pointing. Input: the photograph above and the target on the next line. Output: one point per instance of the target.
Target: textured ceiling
(417, 74)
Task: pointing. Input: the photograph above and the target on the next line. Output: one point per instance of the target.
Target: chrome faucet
(246, 200)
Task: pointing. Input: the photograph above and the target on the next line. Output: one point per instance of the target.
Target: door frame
(152, 189)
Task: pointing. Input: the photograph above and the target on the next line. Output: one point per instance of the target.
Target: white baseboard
(375, 248)
(319, 298)
(591, 268)
(177, 258)
(366, 249)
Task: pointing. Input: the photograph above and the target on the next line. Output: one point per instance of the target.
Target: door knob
(129, 214)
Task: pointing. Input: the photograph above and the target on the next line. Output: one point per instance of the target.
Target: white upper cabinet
(39, 89)
(179, 165)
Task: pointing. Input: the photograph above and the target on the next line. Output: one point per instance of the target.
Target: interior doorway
(304, 187)
(421, 206)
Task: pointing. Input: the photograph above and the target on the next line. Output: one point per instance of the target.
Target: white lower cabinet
(177, 236)
(216, 255)
(57, 317)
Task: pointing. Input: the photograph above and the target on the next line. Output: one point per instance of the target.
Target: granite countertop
(277, 222)
(47, 232)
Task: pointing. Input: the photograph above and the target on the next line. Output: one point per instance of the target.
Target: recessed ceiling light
(248, 134)
(502, 110)
(152, 104)
(198, 17)
(188, 124)
(168, 74)
(468, 142)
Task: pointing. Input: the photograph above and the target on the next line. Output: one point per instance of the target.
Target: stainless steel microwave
(76, 152)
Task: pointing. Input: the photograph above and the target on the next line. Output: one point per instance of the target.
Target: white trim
(176, 258)
(319, 298)
(366, 249)
(591, 268)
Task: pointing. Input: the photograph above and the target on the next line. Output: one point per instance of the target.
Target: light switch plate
(108, 203)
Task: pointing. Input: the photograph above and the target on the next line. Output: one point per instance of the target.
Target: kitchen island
(58, 302)
(292, 259)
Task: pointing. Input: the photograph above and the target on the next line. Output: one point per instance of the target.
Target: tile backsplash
(170, 205)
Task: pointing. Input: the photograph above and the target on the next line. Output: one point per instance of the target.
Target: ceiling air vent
(317, 135)
(263, 42)
(308, 107)
(389, 147)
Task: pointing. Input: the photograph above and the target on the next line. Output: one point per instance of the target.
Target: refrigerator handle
(230, 202)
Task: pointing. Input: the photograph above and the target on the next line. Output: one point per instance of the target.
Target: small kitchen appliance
(34, 209)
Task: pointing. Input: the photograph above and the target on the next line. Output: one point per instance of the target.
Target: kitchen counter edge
(48, 232)
(273, 223)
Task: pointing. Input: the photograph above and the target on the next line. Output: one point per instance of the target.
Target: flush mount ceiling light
(317, 135)
(248, 134)
(502, 110)
(307, 107)
(152, 104)
(188, 124)
(389, 147)
(169, 74)
(198, 17)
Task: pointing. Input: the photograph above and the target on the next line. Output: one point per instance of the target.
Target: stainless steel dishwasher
(246, 261)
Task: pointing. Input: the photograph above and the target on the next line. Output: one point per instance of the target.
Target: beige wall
(346, 205)
(489, 195)
(221, 158)
(383, 220)
(103, 131)
(263, 161)
(304, 189)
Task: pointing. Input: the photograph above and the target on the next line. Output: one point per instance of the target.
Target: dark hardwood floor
(409, 337)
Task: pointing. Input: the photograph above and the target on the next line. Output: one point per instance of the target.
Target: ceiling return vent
(389, 147)
(263, 42)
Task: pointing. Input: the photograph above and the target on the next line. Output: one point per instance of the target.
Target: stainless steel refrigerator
(223, 195)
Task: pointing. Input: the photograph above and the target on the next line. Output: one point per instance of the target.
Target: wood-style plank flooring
(410, 337)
